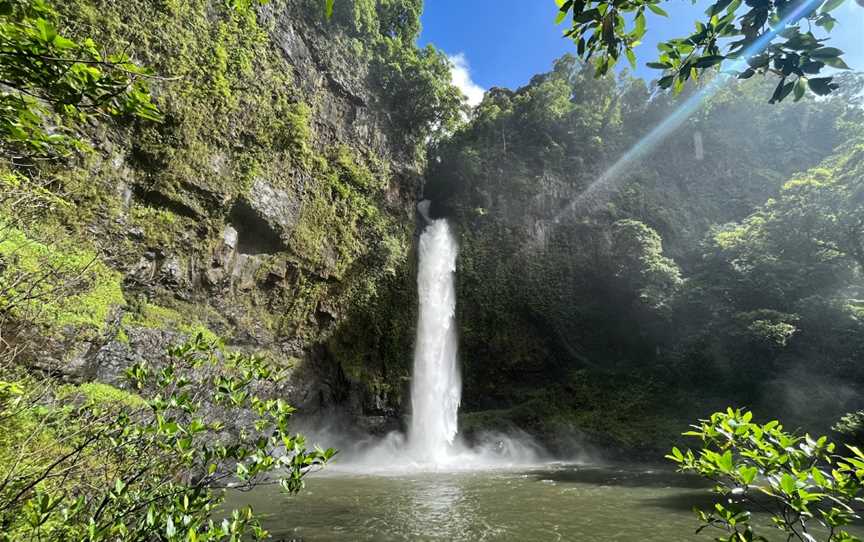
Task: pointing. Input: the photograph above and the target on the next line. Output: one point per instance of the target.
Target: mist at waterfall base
(432, 442)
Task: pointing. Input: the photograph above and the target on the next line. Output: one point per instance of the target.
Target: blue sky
(505, 42)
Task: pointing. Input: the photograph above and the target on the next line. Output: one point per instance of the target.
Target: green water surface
(548, 503)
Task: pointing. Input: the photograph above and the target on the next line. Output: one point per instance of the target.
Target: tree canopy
(756, 37)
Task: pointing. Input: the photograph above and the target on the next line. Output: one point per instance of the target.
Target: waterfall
(436, 386)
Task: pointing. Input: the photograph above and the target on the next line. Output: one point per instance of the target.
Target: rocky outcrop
(274, 206)
(265, 218)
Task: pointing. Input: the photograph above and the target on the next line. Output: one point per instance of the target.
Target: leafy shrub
(55, 286)
(852, 426)
(801, 481)
(97, 463)
(53, 83)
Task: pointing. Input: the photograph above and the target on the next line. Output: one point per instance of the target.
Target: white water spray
(436, 387)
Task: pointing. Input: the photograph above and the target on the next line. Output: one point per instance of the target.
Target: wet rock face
(264, 220)
(204, 239)
(316, 386)
(324, 65)
(172, 272)
(142, 345)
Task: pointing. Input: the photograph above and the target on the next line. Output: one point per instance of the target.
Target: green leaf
(748, 474)
(821, 85)
(725, 461)
(640, 26)
(585, 16)
(812, 67)
(836, 62)
(708, 61)
(831, 5)
(676, 455)
(826, 52)
(758, 61)
(800, 88)
(819, 477)
(560, 17)
(64, 43)
(47, 32)
(783, 89)
(717, 7)
(631, 57)
(826, 21)
(328, 8)
(788, 484)
(658, 10)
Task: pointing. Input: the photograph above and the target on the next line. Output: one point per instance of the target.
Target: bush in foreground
(95, 463)
(804, 484)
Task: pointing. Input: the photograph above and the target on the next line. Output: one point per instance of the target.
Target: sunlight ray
(610, 180)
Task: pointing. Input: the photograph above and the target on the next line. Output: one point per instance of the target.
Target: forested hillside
(721, 268)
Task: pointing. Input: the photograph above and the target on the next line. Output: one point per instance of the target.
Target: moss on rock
(152, 316)
(56, 285)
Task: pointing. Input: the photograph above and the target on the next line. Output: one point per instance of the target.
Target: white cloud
(461, 77)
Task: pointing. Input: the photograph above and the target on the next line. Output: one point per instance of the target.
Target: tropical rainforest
(694, 280)
(209, 231)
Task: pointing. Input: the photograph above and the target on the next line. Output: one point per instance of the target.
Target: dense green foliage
(851, 426)
(701, 275)
(96, 463)
(415, 83)
(809, 487)
(761, 37)
(52, 84)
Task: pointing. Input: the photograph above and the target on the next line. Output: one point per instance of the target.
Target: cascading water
(436, 386)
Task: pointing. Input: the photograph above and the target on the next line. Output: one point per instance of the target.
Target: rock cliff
(273, 207)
